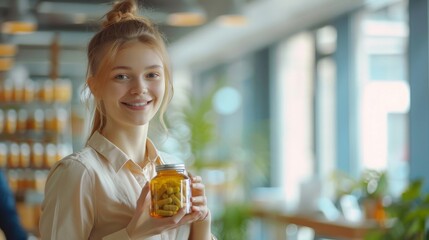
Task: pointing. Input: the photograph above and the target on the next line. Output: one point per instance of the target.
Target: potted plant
(374, 188)
(370, 188)
(409, 216)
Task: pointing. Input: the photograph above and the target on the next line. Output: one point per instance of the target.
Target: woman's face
(135, 87)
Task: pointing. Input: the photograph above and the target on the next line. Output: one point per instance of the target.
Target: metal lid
(175, 166)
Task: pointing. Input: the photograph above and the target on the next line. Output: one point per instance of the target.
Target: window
(384, 92)
(293, 104)
(325, 102)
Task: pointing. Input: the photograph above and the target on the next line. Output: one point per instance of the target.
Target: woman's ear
(91, 84)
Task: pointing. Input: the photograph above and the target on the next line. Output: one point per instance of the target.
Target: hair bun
(121, 11)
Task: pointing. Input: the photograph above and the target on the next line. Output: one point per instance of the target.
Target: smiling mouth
(139, 104)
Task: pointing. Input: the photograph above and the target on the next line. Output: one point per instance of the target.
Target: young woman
(101, 192)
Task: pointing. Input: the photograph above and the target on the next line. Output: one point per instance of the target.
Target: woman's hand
(200, 229)
(199, 199)
(143, 225)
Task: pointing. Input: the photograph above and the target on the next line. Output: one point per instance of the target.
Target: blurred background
(307, 119)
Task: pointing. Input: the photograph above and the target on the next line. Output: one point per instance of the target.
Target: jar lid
(175, 166)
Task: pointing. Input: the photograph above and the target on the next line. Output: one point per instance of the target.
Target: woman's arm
(200, 229)
(68, 207)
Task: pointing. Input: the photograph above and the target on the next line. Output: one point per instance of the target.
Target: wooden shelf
(338, 229)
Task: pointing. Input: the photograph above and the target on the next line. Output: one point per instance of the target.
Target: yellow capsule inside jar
(170, 191)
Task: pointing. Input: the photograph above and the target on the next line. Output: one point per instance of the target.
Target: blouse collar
(116, 156)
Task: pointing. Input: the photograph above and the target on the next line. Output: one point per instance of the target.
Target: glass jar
(170, 190)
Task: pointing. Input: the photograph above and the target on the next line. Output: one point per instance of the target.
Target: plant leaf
(413, 191)
(414, 229)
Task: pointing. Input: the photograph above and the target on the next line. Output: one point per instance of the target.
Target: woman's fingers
(196, 179)
(200, 211)
(178, 219)
(175, 219)
(199, 200)
(198, 186)
(198, 189)
(189, 218)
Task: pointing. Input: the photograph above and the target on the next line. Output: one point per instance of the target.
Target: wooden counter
(339, 229)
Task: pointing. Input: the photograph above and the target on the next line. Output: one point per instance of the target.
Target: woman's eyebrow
(154, 66)
(148, 67)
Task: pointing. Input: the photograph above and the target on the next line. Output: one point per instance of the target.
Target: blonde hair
(122, 24)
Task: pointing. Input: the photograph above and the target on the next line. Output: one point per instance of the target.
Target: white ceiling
(269, 21)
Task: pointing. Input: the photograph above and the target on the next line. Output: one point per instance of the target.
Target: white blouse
(92, 194)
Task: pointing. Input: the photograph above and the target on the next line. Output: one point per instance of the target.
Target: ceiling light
(187, 19)
(186, 13)
(71, 12)
(232, 20)
(233, 15)
(19, 19)
(18, 27)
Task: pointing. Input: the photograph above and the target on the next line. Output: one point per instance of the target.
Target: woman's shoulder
(84, 156)
(72, 170)
(77, 161)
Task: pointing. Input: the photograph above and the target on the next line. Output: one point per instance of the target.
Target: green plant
(409, 215)
(372, 184)
(197, 117)
(232, 224)
(370, 188)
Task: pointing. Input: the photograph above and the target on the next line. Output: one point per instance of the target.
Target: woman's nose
(139, 88)
(139, 91)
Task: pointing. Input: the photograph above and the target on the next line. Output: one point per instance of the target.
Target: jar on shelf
(13, 179)
(49, 119)
(18, 92)
(46, 91)
(37, 155)
(40, 180)
(13, 157)
(3, 155)
(29, 91)
(60, 120)
(36, 120)
(56, 120)
(24, 155)
(7, 92)
(50, 155)
(170, 190)
(62, 90)
(2, 121)
(11, 121)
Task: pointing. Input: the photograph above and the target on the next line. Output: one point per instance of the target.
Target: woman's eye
(153, 75)
(121, 77)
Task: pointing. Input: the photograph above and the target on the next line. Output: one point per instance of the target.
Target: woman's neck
(132, 141)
